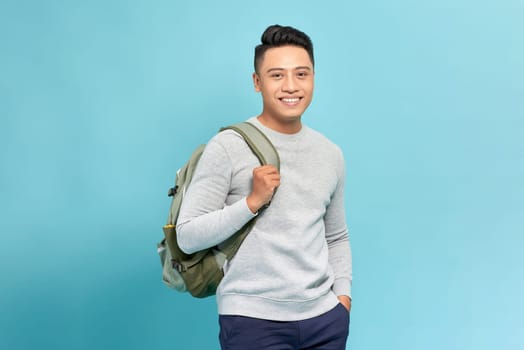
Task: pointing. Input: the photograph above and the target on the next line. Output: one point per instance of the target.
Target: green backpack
(201, 272)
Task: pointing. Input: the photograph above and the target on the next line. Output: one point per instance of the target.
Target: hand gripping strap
(266, 154)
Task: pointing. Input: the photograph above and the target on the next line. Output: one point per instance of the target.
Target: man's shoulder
(321, 140)
(229, 141)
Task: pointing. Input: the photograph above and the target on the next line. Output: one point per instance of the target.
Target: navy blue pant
(328, 331)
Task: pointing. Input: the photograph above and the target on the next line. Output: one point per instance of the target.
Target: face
(285, 79)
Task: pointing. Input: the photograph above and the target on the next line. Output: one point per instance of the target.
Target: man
(288, 286)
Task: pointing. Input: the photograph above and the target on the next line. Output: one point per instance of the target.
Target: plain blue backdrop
(101, 102)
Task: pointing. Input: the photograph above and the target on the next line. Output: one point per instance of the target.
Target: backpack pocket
(171, 277)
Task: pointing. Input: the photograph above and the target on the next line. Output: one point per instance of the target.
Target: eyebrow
(280, 69)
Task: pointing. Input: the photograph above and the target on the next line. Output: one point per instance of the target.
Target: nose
(289, 84)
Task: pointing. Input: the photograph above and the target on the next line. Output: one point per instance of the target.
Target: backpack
(200, 273)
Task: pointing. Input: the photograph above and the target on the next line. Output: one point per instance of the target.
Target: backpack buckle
(172, 191)
(178, 266)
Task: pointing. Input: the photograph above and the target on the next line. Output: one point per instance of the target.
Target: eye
(302, 74)
(276, 75)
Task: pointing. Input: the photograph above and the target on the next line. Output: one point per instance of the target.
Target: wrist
(346, 301)
(253, 205)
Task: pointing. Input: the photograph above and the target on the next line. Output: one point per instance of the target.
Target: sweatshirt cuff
(239, 214)
(342, 286)
(247, 213)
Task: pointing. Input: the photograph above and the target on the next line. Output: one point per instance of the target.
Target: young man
(288, 286)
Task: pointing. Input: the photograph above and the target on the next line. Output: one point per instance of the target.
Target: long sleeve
(205, 218)
(337, 238)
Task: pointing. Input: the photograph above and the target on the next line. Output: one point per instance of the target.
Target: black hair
(277, 35)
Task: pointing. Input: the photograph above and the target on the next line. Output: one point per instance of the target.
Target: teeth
(290, 100)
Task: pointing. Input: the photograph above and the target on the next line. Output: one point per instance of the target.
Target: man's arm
(337, 238)
(205, 220)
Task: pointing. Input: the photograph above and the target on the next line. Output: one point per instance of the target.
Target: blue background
(101, 102)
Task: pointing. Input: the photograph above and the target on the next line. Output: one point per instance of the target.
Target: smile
(290, 101)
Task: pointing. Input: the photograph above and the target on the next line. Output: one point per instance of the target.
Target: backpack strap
(258, 142)
(266, 153)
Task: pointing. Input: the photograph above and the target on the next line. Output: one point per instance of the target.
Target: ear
(256, 82)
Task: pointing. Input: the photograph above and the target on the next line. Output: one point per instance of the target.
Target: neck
(291, 126)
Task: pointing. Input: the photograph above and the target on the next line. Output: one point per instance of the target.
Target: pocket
(346, 314)
(342, 305)
(170, 276)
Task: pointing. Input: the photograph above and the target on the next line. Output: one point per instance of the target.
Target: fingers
(266, 179)
(266, 176)
(265, 170)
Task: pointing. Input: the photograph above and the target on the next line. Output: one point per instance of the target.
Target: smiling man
(288, 286)
(284, 77)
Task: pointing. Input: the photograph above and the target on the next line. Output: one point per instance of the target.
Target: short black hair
(277, 35)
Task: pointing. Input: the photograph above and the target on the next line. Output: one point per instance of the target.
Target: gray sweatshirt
(297, 258)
